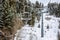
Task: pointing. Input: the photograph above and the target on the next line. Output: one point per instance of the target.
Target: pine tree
(37, 4)
(33, 19)
(1, 14)
(58, 11)
(7, 11)
(52, 7)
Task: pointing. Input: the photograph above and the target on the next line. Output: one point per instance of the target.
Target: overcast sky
(45, 1)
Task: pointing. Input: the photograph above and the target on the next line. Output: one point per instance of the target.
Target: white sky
(45, 1)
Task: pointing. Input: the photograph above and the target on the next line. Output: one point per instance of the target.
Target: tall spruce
(1, 13)
(9, 11)
(53, 8)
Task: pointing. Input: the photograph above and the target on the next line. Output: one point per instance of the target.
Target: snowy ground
(34, 33)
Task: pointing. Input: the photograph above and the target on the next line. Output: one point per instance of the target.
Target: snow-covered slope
(34, 33)
(51, 32)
